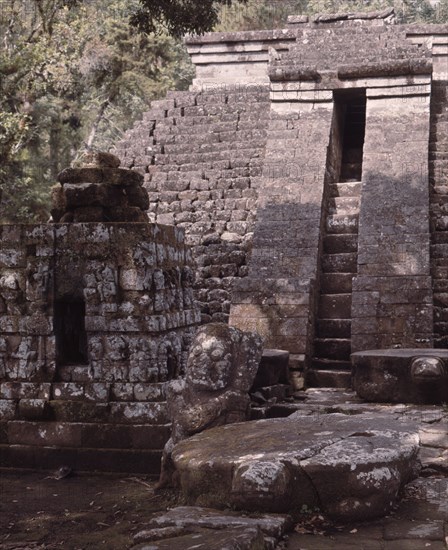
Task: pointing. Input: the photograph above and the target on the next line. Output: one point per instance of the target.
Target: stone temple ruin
(298, 190)
(96, 317)
(307, 167)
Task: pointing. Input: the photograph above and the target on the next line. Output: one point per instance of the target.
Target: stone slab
(393, 375)
(274, 525)
(352, 467)
(207, 539)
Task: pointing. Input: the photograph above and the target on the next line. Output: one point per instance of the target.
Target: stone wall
(278, 297)
(392, 293)
(232, 162)
(130, 287)
(201, 154)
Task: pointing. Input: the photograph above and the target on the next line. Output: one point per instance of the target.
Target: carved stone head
(424, 368)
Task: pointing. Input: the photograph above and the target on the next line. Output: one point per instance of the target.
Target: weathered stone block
(24, 390)
(139, 413)
(33, 409)
(8, 409)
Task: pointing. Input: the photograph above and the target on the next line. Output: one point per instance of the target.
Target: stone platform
(350, 466)
(407, 375)
(418, 520)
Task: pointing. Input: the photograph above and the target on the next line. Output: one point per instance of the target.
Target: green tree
(178, 17)
(67, 84)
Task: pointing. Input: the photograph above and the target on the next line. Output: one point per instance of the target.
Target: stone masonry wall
(217, 161)
(135, 282)
(392, 293)
(277, 298)
(438, 178)
(199, 153)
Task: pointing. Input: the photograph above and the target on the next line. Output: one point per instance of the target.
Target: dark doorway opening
(352, 106)
(70, 332)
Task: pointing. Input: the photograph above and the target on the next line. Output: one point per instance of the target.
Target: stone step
(336, 283)
(320, 363)
(337, 224)
(126, 412)
(350, 171)
(343, 205)
(340, 244)
(332, 348)
(335, 306)
(132, 461)
(333, 328)
(320, 378)
(345, 189)
(86, 435)
(198, 527)
(340, 263)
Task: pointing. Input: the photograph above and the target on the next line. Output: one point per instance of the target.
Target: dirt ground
(78, 512)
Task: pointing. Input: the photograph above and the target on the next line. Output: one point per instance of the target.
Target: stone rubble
(99, 191)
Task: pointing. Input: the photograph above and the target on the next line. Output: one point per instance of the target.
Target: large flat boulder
(351, 467)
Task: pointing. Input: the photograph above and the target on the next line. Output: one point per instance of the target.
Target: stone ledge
(81, 460)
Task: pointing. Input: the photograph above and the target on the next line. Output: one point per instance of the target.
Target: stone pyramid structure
(307, 167)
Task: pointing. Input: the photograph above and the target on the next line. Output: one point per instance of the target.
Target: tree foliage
(76, 73)
(178, 17)
(67, 84)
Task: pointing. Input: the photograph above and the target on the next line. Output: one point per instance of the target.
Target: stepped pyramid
(307, 167)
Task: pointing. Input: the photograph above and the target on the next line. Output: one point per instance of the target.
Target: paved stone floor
(421, 519)
(89, 512)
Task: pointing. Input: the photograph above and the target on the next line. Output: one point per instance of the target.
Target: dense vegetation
(78, 73)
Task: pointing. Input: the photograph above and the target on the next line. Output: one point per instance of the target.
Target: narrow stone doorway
(69, 329)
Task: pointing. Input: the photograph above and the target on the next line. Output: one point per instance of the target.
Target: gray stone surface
(97, 190)
(231, 529)
(230, 539)
(274, 525)
(351, 466)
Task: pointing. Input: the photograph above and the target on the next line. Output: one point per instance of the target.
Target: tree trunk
(98, 119)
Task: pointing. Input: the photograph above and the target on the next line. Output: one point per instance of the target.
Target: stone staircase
(332, 345)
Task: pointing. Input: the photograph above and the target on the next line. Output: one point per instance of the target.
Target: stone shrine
(307, 166)
(298, 190)
(95, 319)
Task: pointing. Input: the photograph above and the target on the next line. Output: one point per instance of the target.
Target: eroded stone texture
(99, 191)
(97, 319)
(232, 539)
(233, 528)
(221, 368)
(352, 468)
